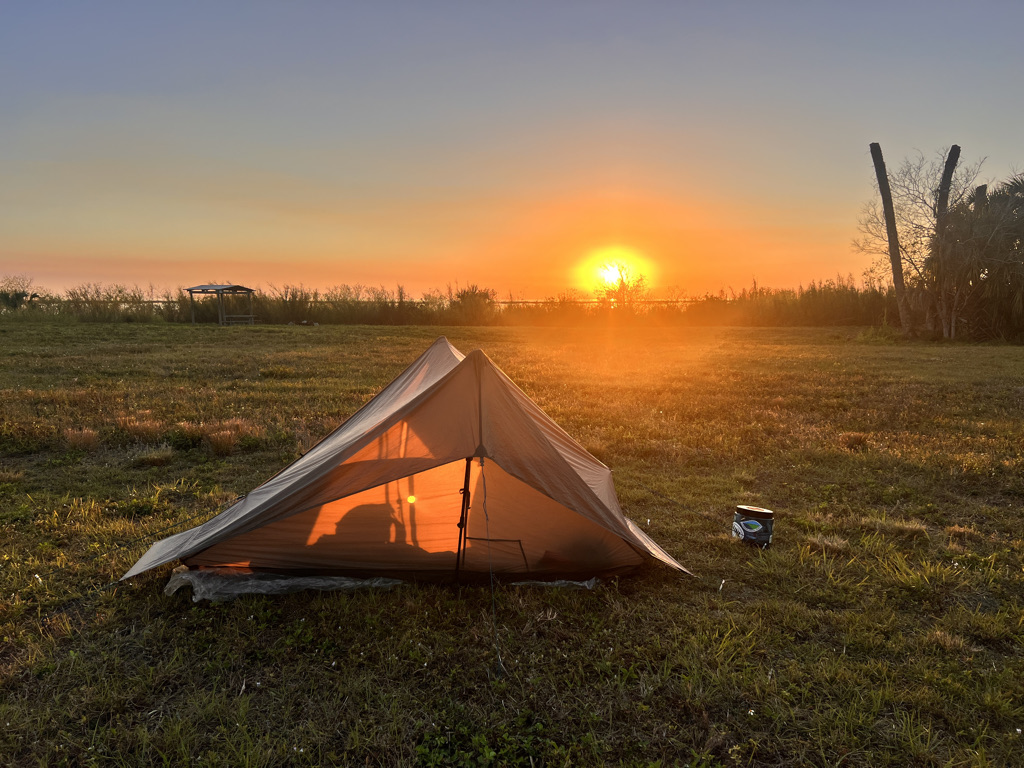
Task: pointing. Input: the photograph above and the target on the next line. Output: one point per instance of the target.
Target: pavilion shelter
(220, 291)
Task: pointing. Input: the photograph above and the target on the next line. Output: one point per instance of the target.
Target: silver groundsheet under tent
(227, 584)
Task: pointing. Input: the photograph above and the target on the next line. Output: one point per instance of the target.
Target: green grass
(883, 627)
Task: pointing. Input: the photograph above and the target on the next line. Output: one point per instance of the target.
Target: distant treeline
(829, 302)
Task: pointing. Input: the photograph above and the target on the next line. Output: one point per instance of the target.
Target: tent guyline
(390, 492)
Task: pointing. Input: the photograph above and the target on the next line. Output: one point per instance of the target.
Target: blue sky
(493, 143)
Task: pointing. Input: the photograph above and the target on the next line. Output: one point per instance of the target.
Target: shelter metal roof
(220, 289)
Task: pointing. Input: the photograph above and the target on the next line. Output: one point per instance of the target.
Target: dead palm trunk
(942, 203)
(893, 237)
(942, 287)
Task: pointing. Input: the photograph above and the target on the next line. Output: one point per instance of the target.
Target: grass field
(883, 627)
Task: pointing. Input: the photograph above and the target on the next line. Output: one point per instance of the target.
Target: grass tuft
(82, 439)
(825, 543)
(279, 372)
(225, 436)
(157, 457)
(144, 430)
(880, 334)
(908, 530)
(853, 441)
(222, 442)
(185, 435)
(962, 534)
(945, 641)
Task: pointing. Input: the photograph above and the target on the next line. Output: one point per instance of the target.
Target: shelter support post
(460, 553)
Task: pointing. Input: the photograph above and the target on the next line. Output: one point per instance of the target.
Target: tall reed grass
(839, 301)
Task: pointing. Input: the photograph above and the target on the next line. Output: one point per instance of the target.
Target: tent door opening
(506, 547)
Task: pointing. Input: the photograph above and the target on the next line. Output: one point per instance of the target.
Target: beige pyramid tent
(450, 470)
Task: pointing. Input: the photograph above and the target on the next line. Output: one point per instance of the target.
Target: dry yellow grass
(222, 442)
(10, 475)
(83, 439)
(895, 527)
(241, 427)
(946, 641)
(831, 544)
(963, 533)
(853, 441)
(145, 430)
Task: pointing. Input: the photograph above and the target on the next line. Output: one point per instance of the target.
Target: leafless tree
(923, 189)
(624, 288)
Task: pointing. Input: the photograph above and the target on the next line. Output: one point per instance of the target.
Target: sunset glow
(519, 147)
(607, 265)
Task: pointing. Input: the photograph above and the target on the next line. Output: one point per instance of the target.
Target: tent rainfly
(450, 471)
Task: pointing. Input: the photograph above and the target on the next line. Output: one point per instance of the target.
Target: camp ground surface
(882, 627)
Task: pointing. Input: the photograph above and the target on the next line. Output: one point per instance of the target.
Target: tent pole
(460, 554)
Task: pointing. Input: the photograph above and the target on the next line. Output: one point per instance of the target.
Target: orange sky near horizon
(495, 144)
(526, 249)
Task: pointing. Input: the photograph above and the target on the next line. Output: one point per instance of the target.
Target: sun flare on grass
(606, 266)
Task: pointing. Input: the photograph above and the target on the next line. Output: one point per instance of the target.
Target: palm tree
(977, 264)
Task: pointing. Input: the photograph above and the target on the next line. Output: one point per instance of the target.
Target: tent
(450, 471)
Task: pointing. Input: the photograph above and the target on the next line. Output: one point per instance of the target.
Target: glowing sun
(606, 266)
